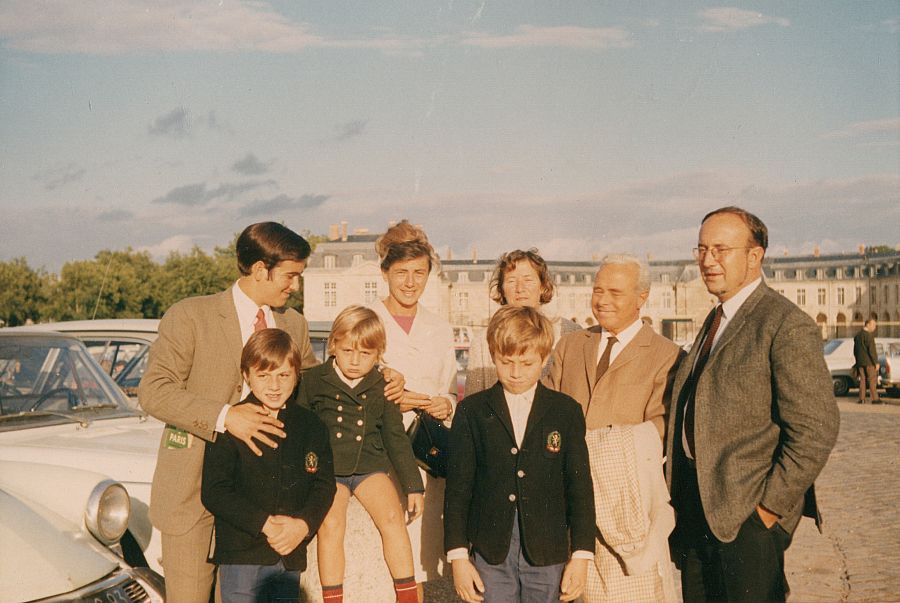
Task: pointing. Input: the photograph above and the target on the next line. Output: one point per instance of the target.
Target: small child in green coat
(367, 440)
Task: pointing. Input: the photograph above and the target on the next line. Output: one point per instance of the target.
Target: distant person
(192, 382)
(754, 423)
(621, 373)
(268, 507)
(519, 511)
(368, 439)
(521, 278)
(867, 364)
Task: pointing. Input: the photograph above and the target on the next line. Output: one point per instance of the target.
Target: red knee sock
(333, 594)
(406, 590)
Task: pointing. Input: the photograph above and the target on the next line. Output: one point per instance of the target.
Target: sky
(577, 127)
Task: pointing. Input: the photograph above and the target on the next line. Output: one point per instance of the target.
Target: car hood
(123, 448)
(32, 537)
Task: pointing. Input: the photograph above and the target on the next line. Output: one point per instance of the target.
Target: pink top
(405, 322)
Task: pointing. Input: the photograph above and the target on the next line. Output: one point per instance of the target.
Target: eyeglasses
(717, 252)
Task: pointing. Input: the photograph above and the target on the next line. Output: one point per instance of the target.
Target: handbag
(430, 441)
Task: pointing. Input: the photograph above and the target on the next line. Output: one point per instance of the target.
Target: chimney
(861, 248)
(474, 254)
(343, 230)
(449, 253)
(334, 232)
(817, 251)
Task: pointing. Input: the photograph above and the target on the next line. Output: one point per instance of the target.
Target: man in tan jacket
(192, 380)
(620, 371)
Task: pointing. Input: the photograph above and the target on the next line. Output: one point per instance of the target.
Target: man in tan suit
(192, 379)
(627, 382)
(621, 373)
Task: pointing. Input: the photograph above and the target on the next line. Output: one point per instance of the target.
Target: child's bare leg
(330, 539)
(380, 500)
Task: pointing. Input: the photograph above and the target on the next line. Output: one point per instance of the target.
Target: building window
(780, 291)
(330, 261)
(331, 294)
(840, 296)
(357, 259)
(462, 301)
(667, 299)
(820, 273)
(821, 297)
(779, 275)
(462, 277)
(873, 295)
(371, 294)
(801, 297)
(664, 278)
(858, 299)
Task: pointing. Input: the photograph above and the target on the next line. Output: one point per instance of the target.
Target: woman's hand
(412, 401)
(439, 407)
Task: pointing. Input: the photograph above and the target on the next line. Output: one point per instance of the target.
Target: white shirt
(729, 309)
(622, 339)
(519, 406)
(246, 312)
(351, 382)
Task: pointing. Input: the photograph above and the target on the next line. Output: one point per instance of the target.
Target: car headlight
(107, 511)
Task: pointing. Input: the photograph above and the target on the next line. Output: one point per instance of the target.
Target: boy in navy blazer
(519, 494)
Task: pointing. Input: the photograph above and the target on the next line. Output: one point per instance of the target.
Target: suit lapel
(737, 322)
(497, 403)
(231, 328)
(589, 353)
(631, 351)
(330, 376)
(539, 408)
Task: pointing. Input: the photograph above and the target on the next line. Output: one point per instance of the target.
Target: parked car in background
(59, 412)
(890, 369)
(840, 361)
(57, 528)
(119, 345)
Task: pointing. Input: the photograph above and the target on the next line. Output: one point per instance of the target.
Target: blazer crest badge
(554, 442)
(311, 462)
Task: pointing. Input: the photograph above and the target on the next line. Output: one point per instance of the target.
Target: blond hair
(361, 326)
(517, 330)
(404, 241)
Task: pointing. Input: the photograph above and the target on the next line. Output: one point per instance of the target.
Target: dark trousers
(259, 583)
(749, 569)
(868, 376)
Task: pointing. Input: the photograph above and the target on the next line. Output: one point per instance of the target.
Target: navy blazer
(547, 480)
(241, 489)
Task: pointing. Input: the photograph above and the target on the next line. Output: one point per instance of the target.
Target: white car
(839, 358)
(59, 411)
(56, 527)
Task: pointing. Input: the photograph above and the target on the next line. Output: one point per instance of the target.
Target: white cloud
(866, 128)
(179, 243)
(567, 36)
(729, 18)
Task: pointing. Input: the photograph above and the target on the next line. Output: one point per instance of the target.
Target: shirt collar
(351, 382)
(627, 334)
(526, 396)
(246, 307)
(730, 307)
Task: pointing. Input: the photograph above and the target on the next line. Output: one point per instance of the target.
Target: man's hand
(439, 407)
(415, 504)
(395, 382)
(412, 400)
(467, 582)
(249, 421)
(290, 533)
(573, 579)
(768, 518)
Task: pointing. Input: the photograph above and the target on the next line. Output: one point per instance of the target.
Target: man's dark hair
(269, 243)
(758, 231)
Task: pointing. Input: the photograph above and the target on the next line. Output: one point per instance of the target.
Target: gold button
(340, 408)
(339, 435)
(360, 422)
(340, 419)
(520, 473)
(512, 498)
(363, 396)
(337, 396)
(359, 408)
(514, 450)
(359, 438)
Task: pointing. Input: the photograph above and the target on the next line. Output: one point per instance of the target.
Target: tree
(115, 284)
(195, 273)
(22, 292)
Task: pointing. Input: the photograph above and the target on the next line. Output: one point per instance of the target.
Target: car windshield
(831, 345)
(49, 379)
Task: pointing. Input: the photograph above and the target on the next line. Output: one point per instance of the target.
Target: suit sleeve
(321, 494)
(399, 449)
(579, 486)
(460, 481)
(553, 378)
(219, 493)
(162, 391)
(659, 403)
(804, 408)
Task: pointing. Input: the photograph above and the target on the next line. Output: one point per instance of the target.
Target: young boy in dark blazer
(519, 493)
(268, 506)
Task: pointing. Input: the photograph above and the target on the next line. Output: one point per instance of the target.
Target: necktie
(702, 357)
(260, 323)
(603, 364)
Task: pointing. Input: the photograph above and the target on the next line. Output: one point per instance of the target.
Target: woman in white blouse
(420, 346)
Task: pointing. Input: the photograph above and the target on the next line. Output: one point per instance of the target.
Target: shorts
(352, 482)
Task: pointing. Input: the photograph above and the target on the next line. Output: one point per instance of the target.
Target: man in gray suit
(754, 423)
(866, 356)
(192, 380)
